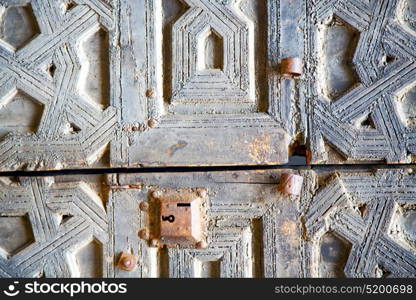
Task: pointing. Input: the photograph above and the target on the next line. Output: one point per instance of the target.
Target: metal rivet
(144, 234)
(144, 206)
(127, 261)
(155, 243)
(156, 194)
(150, 93)
(152, 123)
(291, 66)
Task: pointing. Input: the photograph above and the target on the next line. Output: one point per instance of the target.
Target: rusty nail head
(152, 123)
(290, 184)
(155, 243)
(144, 234)
(291, 66)
(127, 261)
(150, 93)
(156, 194)
(144, 206)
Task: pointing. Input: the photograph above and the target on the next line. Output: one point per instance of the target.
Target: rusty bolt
(156, 194)
(290, 184)
(144, 234)
(152, 123)
(150, 93)
(127, 261)
(144, 206)
(155, 243)
(291, 67)
(202, 193)
(201, 245)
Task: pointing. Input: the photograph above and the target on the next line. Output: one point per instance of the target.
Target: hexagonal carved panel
(334, 252)
(15, 235)
(18, 25)
(20, 114)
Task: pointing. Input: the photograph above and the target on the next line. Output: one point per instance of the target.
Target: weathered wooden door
(165, 83)
(355, 224)
(141, 83)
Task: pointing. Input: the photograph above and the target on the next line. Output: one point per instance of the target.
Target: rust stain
(288, 228)
(180, 145)
(260, 148)
(126, 187)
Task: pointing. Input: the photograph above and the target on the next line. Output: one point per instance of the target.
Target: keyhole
(169, 219)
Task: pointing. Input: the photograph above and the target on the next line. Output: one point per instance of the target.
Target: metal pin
(291, 67)
(127, 261)
(290, 184)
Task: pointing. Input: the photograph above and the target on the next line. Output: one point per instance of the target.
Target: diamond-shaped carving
(18, 25)
(15, 235)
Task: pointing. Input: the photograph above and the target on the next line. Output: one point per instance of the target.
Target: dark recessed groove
(326, 168)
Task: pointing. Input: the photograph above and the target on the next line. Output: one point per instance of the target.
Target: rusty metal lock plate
(181, 218)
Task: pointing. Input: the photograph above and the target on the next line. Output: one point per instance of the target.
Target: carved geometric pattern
(247, 232)
(356, 225)
(152, 123)
(385, 61)
(235, 81)
(230, 239)
(64, 218)
(53, 145)
(361, 210)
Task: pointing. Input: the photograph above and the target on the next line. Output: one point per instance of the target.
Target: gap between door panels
(199, 169)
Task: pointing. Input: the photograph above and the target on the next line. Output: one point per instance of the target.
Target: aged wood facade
(93, 84)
